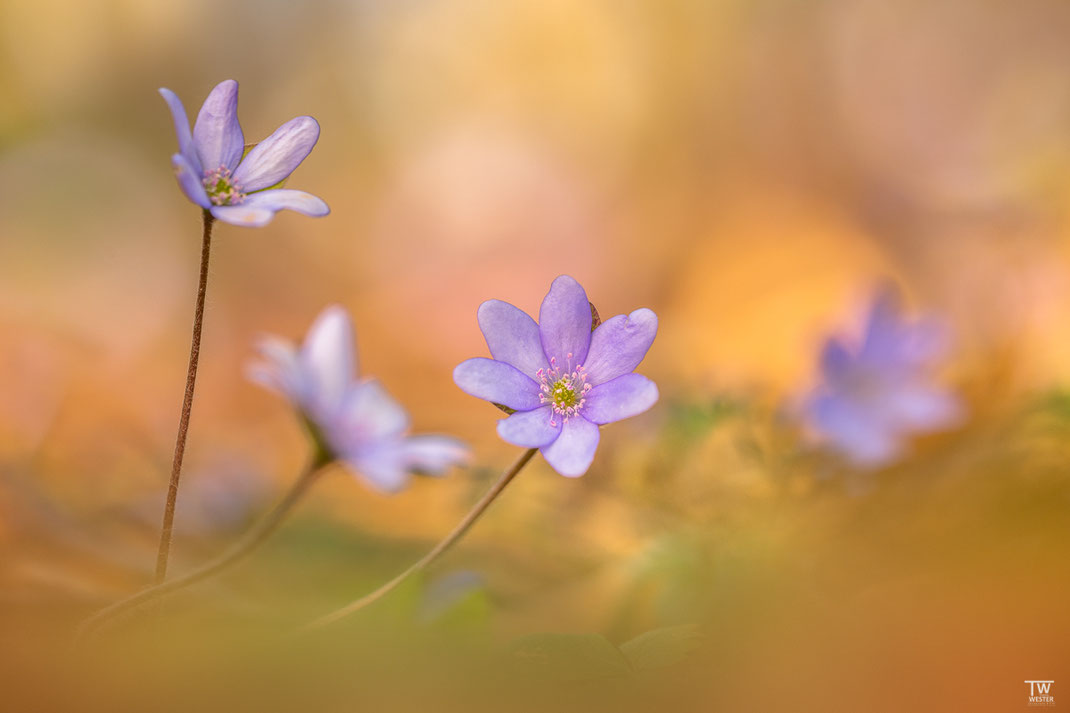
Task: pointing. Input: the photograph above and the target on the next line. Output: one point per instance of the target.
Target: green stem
(187, 406)
(435, 553)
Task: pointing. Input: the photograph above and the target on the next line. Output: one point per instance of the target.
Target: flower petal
(921, 408)
(621, 398)
(217, 135)
(181, 121)
(884, 320)
(619, 344)
(835, 360)
(386, 464)
(530, 429)
(276, 157)
(285, 199)
(573, 451)
(892, 340)
(189, 181)
(382, 467)
(327, 360)
(433, 455)
(512, 336)
(368, 416)
(565, 323)
(498, 383)
(279, 370)
(243, 215)
(858, 433)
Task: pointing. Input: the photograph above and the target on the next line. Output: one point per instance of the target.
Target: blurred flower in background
(879, 391)
(356, 422)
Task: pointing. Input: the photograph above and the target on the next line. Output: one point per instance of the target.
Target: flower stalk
(436, 552)
(252, 539)
(167, 529)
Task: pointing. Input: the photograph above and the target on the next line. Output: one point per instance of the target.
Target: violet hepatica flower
(356, 422)
(877, 393)
(214, 171)
(561, 380)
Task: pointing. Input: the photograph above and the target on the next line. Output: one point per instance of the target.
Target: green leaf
(570, 657)
(661, 647)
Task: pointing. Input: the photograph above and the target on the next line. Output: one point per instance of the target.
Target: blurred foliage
(775, 586)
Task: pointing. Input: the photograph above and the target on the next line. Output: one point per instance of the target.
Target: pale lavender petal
(368, 415)
(217, 134)
(882, 324)
(387, 463)
(862, 437)
(512, 336)
(243, 215)
(276, 157)
(893, 341)
(189, 181)
(383, 467)
(573, 451)
(268, 376)
(433, 455)
(498, 383)
(619, 344)
(280, 370)
(285, 199)
(621, 398)
(327, 359)
(181, 121)
(565, 323)
(530, 429)
(920, 408)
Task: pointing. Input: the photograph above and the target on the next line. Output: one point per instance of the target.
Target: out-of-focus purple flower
(356, 422)
(561, 380)
(215, 173)
(875, 394)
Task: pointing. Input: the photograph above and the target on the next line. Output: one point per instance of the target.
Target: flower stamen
(564, 390)
(221, 187)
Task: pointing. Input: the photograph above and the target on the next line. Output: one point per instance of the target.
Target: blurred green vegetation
(943, 565)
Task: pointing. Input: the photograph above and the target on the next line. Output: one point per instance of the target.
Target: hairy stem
(249, 542)
(187, 406)
(435, 553)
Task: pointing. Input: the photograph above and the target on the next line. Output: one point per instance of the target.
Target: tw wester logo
(1040, 693)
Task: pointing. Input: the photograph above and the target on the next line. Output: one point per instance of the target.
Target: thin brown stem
(249, 542)
(187, 406)
(435, 553)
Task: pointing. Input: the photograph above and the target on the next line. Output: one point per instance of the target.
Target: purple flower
(876, 394)
(215, 173)
(561, 380)
(356, 422)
